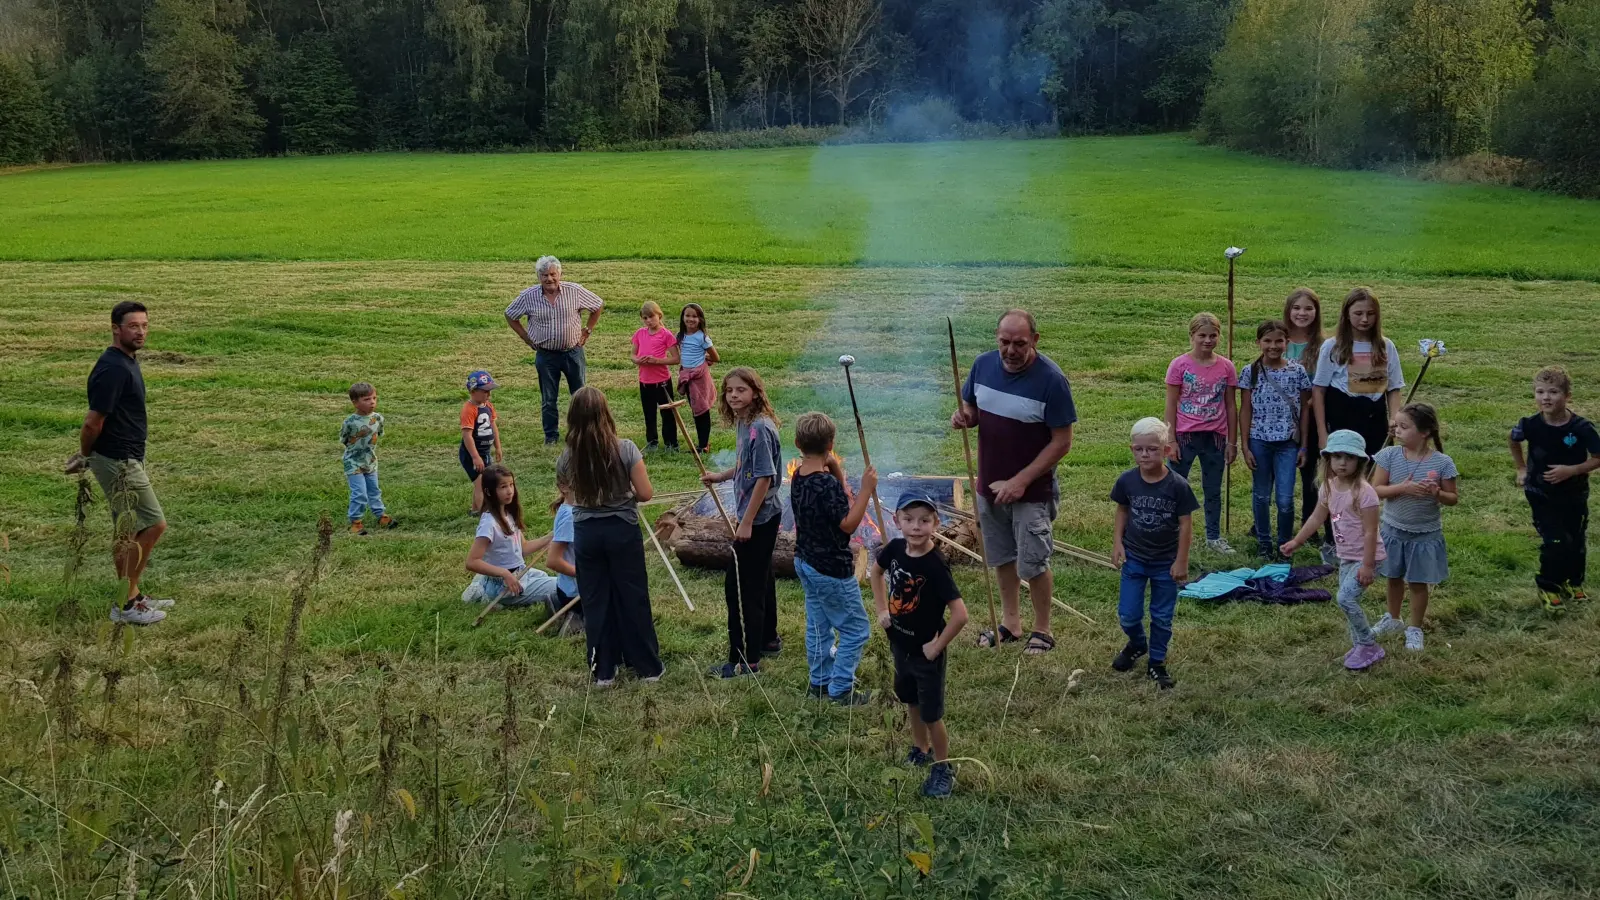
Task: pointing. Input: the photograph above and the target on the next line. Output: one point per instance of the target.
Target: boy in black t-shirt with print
(1150, 544)
(1563, 448)
(912, 587)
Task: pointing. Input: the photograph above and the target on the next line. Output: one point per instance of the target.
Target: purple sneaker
(1362, 656)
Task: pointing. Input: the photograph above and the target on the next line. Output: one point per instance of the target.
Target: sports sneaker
(1576, 593)
(1413, 638)
(1387, 625)
(854, 697)
(604, 682)
(918, 757)
(156, 602)
(387, 521)
(1553, 602)
(773, 649)
(1219, 545)
(356, 527)
(941, 781)
(1362, 656)
(1123, 661)
(729, 670)
(138, 613)
(652, 679)
(816, 692)
(1157, 672)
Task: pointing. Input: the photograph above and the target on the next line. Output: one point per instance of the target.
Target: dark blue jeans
(1272, 484)
(1209, 447)
(1163, 603)
(551, 365)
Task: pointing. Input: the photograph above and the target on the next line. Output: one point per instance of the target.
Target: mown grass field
(1147, 202)
(478, 762)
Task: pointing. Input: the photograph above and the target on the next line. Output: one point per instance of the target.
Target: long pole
(866, 458)
(1227, 489)
(701, 463)
(1426, 361)
(645, 524)
(972, 487)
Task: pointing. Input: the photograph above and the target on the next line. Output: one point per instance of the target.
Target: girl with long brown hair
(749, 588)
(1357, 381)
(607, 478)
(1302, 312)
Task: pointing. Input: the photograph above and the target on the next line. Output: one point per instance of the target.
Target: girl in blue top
(694, 355)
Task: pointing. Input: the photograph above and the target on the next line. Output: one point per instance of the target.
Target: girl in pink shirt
(652, 348)
(1201, 417)
(1351, 504)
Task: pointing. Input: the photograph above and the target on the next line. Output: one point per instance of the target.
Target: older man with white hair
(553, 331)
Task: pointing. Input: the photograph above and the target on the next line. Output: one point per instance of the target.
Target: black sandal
(986, 639)
(1039, 644)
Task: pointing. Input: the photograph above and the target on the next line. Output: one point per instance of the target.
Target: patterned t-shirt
(819, 505)
(481, 419)
(1202, 389)
(1418, 515)
(1274, 400)
(360, 457)
(919, 587)
(1344, 511)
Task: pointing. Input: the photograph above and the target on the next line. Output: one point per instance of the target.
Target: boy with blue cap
(480, 433)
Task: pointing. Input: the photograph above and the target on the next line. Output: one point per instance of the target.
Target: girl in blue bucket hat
(1351, 505)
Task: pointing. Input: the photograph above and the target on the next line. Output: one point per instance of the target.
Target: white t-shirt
(505, 550)
(1358, 378)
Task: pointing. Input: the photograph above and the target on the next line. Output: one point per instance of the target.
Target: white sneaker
(140, 613)
(655, 678)
(1413, 638)
(1387, 625)
(158, 602)
(1219, 545)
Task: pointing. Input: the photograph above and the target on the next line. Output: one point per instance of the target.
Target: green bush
(29, 122)
(1555, 120)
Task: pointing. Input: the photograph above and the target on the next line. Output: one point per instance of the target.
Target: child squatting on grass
(1275, 403)
(1201, 419)
(911, 588)
(824, 521)
(1413, 480)
(1352, 505)
(653, 348)
(1563, 449)
(480, 433)
(359, 435)
(749, 588)
(499, 550)
(1150, 543)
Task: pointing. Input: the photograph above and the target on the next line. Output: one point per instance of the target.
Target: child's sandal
(1039, 643)
(986, 639)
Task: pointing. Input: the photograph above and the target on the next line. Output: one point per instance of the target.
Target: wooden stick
(645, 524)
(674, 405)
(1069, 609)
(493, 605)
(972, 485)
(1069, 549)
(558, 614)
(866, 458)
(950, 543)
(1227, 472)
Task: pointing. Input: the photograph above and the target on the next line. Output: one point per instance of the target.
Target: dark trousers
(651, 396)
(1563, 526)
(1368, 418)
(752, 595)
(702, 431)
(551, 365)
(609, 554)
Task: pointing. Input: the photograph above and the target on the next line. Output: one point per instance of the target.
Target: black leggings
(752, 594)
(609, 554)
(702, 431)
(651, 397)
(1563, 525)
(1368, 418)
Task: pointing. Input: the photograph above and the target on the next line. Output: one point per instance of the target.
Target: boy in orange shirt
(480, 433)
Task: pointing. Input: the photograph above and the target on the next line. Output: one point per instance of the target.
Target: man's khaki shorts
(1019, 533)
(127, 488)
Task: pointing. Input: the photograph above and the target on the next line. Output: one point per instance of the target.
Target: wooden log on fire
(702, 542)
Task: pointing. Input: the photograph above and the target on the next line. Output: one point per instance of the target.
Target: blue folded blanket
(1272, 583)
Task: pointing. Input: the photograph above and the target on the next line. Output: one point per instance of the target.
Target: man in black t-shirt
(111, 445)
(1563, 448)
(912, 588)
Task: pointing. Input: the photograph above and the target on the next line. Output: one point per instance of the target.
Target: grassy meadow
(1144, 202)
(212, 755)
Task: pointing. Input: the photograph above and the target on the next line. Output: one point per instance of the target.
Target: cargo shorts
(126, 485)
(1018, 532)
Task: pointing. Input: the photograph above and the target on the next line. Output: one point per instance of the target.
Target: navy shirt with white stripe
(1016, 413)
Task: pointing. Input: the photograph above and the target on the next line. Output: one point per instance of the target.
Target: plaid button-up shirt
(554, 326)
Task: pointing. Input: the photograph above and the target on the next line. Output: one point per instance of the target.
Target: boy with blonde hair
(1150, 544)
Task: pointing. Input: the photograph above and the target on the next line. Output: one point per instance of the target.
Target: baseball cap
(481, 380)
(1346, 441)
(914, 498)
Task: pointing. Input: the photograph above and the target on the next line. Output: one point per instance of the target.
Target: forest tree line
(1343, 82)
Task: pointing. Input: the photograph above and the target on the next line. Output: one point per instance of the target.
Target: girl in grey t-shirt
(1414, 480)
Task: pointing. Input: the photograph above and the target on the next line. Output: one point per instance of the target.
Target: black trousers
(1563, 526)
(651, 396)
(1308, 483)
(702, 431)
(609, 554)
(752, 594)
(1368, 418)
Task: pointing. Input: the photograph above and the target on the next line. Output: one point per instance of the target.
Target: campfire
(699, 537)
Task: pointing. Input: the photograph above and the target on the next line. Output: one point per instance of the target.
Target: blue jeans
(1273, 480)
(551, 365)
(833, 604)
(1163, 603)
(364, 495)
(1209, 447)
